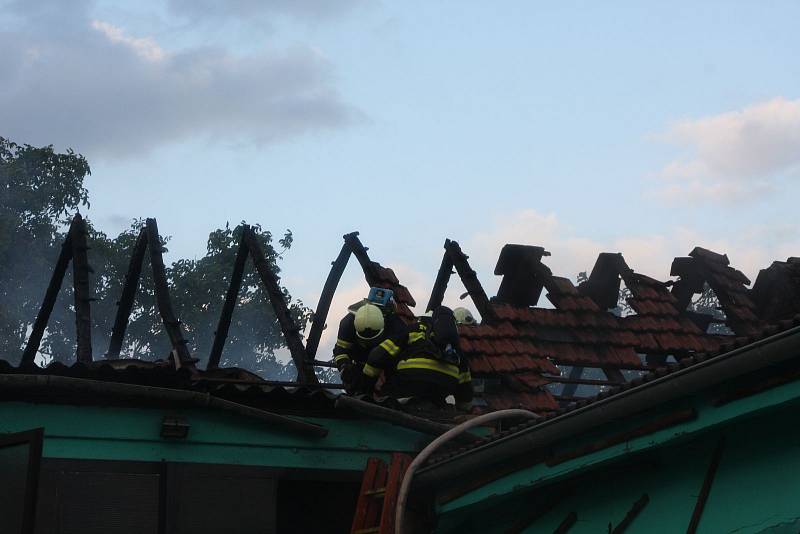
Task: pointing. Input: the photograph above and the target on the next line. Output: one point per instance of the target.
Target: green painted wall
(756, 488)
(114, 433)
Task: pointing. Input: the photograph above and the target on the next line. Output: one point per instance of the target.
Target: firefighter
(427, 364)
(464, 316)
(366, 325)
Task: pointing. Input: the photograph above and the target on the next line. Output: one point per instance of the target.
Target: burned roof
(520, 350)
(521, 354)
(786, 328)
(776, 292)
(704, 266)
(236, 385)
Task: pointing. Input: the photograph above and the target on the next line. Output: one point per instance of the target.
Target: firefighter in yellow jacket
(426, 364)
(365, 327)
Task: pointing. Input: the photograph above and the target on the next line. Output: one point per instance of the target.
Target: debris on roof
(776, 292)
(520, 348)
(782, 329)
(729, 284)
(521, 355)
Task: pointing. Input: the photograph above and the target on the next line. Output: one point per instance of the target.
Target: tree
(199, 288)
(707, 303)
(39, 188)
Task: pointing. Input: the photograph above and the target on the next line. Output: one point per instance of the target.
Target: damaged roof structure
(616, 393)
(520, 347)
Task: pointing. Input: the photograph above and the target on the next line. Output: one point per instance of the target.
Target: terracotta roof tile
(385, 274)
(647, 343)
(504, 346)
(466, 344)
(501, 363)
(537, 402)
(506, 329)
(563, 285)
(523, 346)
(532, 380)
(482, 346)
(626, 355)
(526, 339)
(479, 364)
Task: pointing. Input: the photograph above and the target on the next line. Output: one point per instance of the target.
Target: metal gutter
(47, 384)
(768, 351)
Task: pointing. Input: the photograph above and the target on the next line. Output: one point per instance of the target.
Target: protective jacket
(350, 348)
(419, 367)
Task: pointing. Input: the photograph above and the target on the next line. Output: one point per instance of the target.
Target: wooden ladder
(378, 496)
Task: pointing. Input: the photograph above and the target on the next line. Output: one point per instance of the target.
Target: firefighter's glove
(349, 373)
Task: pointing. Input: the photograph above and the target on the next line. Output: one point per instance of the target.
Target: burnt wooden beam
(224, 324)
(163, 300)
(326, 297)
(129, 289)
(573, 380)
(621, 366)
(291, 332)
(470, 280)
(81, 289)
(614, 375)
(440, 285)
(563, 398)
(577, 381)
(50, 296)
(705, 490)
(656, 360)
(281, 383)
(360, 252)
(635, 510)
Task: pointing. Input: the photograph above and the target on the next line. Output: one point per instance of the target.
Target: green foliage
(706, 302)
(39, 188)
(199, 288)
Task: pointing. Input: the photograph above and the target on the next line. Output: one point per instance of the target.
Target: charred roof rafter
(704, 266)
(149, 239)
(74, 248)
(454, 257)
(376, 276)
(249, 246)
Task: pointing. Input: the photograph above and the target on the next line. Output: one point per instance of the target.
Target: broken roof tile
(708, 255)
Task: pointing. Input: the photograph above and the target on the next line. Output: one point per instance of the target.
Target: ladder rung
(378, 492)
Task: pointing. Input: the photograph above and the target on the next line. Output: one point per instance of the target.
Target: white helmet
(463, 316)
(369, 322)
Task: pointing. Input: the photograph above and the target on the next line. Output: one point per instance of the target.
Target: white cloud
(572, 252)
(650, 254)
(144, 47)
(71, 80)
(734, 155)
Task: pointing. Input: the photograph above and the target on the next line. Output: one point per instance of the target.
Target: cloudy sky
(633, 127)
